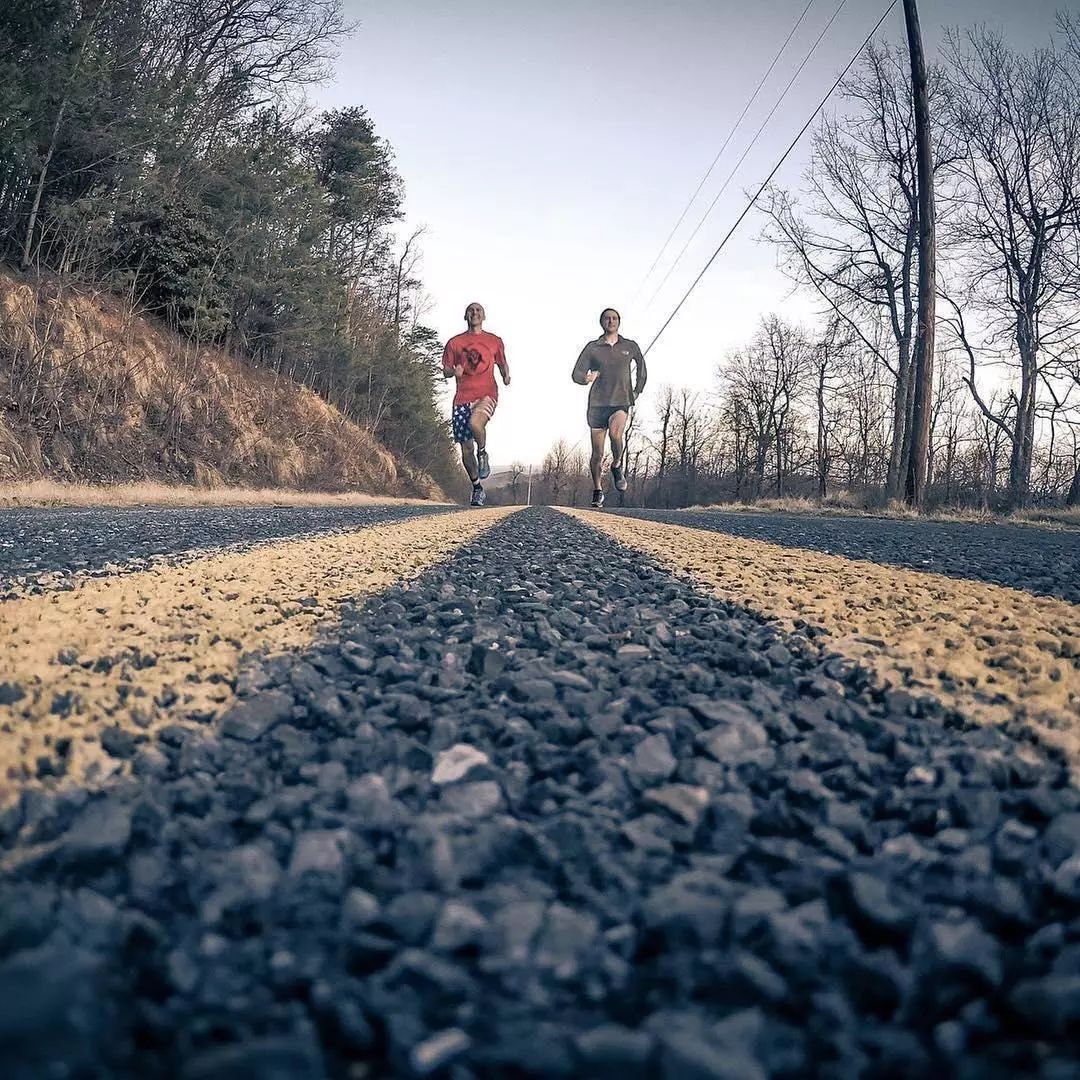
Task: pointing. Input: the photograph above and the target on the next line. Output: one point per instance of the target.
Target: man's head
(474, 316)
(609, 320)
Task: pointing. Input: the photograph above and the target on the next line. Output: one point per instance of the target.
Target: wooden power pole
(923, 353)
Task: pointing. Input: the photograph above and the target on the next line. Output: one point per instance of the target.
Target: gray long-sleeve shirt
(612, 386)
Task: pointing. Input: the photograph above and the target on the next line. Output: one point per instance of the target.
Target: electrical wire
(772, 173)
(750, 146)
(719, 153)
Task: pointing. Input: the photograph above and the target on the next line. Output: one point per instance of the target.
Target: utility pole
(923, 353)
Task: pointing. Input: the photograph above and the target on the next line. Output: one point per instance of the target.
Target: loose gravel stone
(714, 861)
(251, 719)
(100, 834)
(684, 801)
(612, 1050)
(320, 852)
(274, 1058)
(457, 762)
(653, 760)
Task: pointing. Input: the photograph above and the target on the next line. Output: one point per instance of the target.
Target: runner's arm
(503, 363)
(642, 374)
(580, 374)
(451, 366)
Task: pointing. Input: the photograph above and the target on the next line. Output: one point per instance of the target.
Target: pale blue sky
(549, 148)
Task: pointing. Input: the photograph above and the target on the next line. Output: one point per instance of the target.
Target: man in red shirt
(471, 358)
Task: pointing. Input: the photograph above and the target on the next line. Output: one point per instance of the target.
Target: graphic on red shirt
(478, 355)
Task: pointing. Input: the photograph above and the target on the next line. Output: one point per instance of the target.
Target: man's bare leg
(468, 459)
(596, 460)
(478, 425)
(478, 422)
(617, 435)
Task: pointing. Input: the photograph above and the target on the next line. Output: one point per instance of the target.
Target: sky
(547, 149)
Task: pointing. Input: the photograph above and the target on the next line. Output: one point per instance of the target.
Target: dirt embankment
(91, 392)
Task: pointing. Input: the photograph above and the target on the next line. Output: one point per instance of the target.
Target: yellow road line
(162, 645)
(991, 651)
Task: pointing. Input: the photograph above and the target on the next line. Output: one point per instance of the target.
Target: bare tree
(662, 444)
(947, 426)
(86, 30)
(405, 276)
(578, 480)
(1016, 220)
(690, 433)
(856, 243)
(517, 471)
(922, 376)
(207, 61)
(735, 419)
(765, 379)
(557, 471)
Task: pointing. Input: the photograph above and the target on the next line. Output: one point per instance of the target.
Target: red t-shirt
(477, 354)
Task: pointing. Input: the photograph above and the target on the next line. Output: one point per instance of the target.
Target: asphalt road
(550, 809)
(57, 544)
(1045, 562)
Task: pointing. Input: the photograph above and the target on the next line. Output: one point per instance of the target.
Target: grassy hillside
(89, 391)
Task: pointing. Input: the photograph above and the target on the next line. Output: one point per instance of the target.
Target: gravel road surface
(995, 652)
(146, 648)
(1045, 562)
(551, 810)
(53, 545)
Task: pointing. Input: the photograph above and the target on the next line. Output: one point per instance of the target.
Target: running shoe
(597, 500)
(617, 476)
(482, 461)
(477, 496)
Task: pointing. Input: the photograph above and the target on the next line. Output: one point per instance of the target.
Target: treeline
(808, 410)
(163, 149)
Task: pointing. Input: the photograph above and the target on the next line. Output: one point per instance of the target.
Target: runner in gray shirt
(605, 364)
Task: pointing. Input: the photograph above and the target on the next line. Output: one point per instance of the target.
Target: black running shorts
(600, 415)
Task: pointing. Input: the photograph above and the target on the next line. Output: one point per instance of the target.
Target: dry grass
(58, 493)
(834, 505)
(1066, 515)
(90, 392)
(845, 505)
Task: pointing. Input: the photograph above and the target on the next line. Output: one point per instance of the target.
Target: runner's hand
(592, 376)
(459, 370)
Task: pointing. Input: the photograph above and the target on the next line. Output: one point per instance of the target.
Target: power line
(750, 146)
(764, 183)
(719, 153)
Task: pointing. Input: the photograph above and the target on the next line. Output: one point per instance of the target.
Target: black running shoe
(484, 468)
(478, 496)
(618, 477)
(597, 500)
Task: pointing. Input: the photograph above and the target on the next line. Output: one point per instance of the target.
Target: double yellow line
(162, 646)
(992, 652)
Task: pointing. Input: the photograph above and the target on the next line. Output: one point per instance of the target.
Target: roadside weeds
(56, 493)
